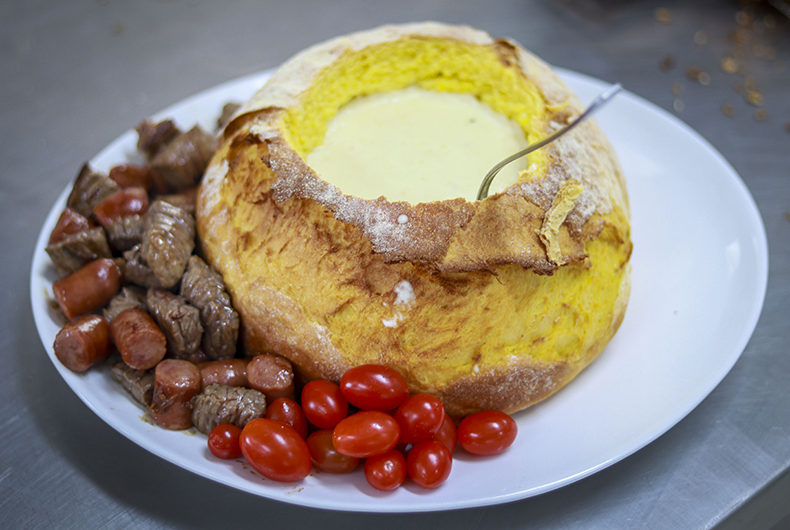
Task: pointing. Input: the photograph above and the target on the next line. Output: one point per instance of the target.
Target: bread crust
(307, 265)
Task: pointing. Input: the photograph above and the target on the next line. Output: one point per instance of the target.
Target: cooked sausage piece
(137, 270)
(205, 289)
(152, 137)
(90, 189)
(271, 374)
(128, 176)
(226, 404)
(83, 343)
(140, 341)
(181, 162)
(88, 289)
(176, 383)
(230, 372)
(124, 203)
(69, 223)
(139, 383)
(179, 321)
(126, 298)
(76, 250)
(168, 241)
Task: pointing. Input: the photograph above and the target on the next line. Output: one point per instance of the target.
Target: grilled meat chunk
(179, 321)
(77, 250)
(126, 232)
(90, 189)
(137, 270)
(205, 289)
(126, 298)
(139, 383)
(182, 162)
(152, 137)
(168, 241)
(219, 404)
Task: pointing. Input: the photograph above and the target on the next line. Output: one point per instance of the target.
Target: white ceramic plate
(699, 277)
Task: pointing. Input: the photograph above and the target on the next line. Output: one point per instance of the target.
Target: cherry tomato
(429, 464)
(275, 450)
(420, 418)
(488, 432)
(290, 413)
(326, 457)
(447, 434)
(374, 387)
(223, 441)
(386, 472)
(366, 433)
(323, 404)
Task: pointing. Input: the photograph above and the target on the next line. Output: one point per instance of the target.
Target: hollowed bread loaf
(491, 304)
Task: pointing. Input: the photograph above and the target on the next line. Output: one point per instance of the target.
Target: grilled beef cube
(73, 252)
(185, 199)
(179, 321)
(204, 288)
(127, 298)
(227, 113)
(137, 270)
(152, 137)
(125, 233)
(139, 383)
(182, 162)
(168, 241)
(90, 189)
(219, 404)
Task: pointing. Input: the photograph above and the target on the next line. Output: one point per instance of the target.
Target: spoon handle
(597, 103)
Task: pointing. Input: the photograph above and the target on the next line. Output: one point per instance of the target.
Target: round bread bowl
(491, 304)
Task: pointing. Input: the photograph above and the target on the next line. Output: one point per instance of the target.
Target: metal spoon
(597, 103)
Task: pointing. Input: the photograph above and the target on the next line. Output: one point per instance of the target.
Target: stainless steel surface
(596, 104)
(77, 74)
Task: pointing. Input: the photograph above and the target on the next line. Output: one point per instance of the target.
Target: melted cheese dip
(417, 145)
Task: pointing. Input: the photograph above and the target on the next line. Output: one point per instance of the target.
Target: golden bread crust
(482, 304)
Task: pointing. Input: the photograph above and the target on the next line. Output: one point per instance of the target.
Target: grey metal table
(75, 75)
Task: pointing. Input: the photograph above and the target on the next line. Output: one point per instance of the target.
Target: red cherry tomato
(323, 404)
(290, 413)
(366, 433)
(420, 418)
(326, 457)
(374, 387)
(275, 450)
(223, 441)
(429, 464)
(488, 432)
(386, 472)
(448, 435)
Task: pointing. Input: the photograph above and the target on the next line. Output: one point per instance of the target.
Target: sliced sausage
(140, 341)
(70, 222)
(83, 343)
(128, 176)
(176, 383)
(226, 404)
(139, 383)
(124, 203)
(90, 189)
(74, 251)
(88, 289)
(230, 372)
(273, 375)
(168, 241)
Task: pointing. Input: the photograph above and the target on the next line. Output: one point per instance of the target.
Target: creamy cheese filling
(417, 145)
